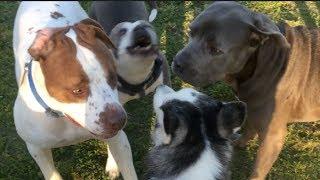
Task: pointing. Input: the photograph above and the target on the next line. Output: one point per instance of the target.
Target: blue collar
(49, 111)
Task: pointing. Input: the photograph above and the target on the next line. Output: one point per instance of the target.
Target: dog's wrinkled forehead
(226, 20)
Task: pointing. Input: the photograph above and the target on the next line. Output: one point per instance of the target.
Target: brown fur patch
(62, 71)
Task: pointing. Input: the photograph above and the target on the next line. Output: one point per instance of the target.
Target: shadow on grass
(242, 163)
(305, 13)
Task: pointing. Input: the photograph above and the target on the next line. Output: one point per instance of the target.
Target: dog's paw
(112, 170)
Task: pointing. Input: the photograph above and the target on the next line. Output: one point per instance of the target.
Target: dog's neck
(134, 69)
(257, 82)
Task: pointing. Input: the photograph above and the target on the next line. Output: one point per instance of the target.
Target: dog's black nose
(141, 37)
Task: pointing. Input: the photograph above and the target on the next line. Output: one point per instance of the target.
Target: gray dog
(266, 65)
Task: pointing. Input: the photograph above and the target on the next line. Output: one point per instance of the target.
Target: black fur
(174, 158)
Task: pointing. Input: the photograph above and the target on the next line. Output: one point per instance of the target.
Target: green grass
(300, 158)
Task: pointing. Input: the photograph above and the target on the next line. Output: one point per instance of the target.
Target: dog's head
(188, 116)
(77, 76)
(222, 38)
(135, 42)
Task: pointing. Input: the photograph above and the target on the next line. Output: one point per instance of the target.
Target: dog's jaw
(134, 69)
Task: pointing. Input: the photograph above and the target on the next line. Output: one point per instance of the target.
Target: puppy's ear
(170, 118)
(231, 116)
(266, 28)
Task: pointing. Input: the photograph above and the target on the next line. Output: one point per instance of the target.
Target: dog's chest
(207, 167)
(38, 128)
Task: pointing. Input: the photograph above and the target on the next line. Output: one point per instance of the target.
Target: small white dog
(67, 84)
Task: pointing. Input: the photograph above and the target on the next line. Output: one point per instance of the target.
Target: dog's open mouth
(143, 46)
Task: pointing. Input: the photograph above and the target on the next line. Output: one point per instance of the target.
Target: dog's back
(301, 78)
(111, 13)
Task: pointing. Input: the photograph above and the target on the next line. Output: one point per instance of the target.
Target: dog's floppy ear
(179, 113)
(231, 116)
(265, 28)
(43, 44)
(92, 26)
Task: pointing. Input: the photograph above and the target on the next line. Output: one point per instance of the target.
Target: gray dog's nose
(177, 65)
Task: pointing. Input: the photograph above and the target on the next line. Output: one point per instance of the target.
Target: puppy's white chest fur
(207, 167)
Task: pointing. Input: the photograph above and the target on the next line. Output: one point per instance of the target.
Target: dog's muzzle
(112, 119)
(142, 42)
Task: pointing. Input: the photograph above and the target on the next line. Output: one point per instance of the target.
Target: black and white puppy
(141, 67)
(191, 135)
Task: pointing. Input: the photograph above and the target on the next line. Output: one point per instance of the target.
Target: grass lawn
(300, 158)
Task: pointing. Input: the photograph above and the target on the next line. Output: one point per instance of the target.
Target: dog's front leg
(272, 140)
(121, 154)
(44, 159)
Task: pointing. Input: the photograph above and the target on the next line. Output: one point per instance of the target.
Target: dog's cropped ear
(92, 26)
(231, 117)
(264, 28)
(43, 44)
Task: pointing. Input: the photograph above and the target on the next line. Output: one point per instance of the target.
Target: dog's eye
(122, 32)
(77, 91)
(214, 51)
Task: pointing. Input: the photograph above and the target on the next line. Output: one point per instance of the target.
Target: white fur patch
(126, 38)
(153, 15)
(207, 167)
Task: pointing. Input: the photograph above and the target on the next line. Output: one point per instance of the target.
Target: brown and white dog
(67, 84)
(274, 69)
